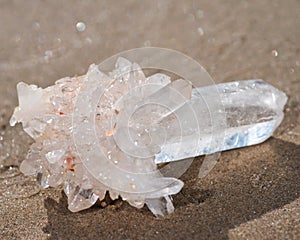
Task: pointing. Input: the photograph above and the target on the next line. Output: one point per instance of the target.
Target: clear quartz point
(108, 131)
(253, 109)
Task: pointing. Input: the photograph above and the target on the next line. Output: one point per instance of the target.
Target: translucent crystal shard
(253, 110)
(107, 132)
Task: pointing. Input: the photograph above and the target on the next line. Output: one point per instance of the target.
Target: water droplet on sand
(80, 26)
(275, 53)
(200, 31)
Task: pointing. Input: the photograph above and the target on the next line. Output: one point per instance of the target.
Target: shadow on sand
(244, 185)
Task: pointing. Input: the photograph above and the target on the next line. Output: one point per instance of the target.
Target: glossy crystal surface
(107, 132)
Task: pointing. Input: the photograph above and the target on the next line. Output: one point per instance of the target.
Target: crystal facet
(253, 110)
(107, 132)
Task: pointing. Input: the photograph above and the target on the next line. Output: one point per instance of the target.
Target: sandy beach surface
(252, 193)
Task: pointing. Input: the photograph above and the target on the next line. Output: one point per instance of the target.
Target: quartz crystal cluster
(56, 115)
(102, 133)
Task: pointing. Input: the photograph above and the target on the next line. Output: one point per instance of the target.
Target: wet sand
(252, 193)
